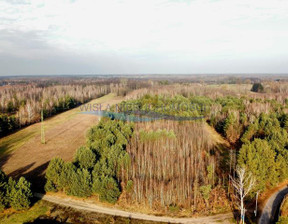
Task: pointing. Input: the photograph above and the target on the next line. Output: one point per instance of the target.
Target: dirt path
(89, 206)
(271, 207)
(23, 154)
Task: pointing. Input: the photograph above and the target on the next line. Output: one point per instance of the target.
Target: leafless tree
(243, 184)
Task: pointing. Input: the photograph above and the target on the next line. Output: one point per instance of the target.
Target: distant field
(23, 153)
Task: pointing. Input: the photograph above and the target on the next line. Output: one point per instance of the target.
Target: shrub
(257, 87)
(205, 192)
(129, 186)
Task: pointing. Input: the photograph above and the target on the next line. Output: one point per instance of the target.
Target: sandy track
(64, 133)
(89, 206)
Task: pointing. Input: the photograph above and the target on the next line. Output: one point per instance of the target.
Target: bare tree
(30, 112)
(243, 184)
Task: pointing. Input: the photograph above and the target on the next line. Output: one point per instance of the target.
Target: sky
(143, 36)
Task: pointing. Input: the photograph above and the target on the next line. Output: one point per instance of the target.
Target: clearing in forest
(23, 153)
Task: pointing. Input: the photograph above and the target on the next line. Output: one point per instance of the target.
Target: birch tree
(243, 185)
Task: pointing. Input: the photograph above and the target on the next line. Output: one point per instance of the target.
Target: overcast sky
(143, 36)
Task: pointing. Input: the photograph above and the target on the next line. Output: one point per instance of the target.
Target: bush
(258, 88)
(129, 186)
(205, 192)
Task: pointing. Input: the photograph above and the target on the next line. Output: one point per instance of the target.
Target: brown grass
(23, 153)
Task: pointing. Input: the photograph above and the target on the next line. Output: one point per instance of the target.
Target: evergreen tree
(107, 188)
(86, 158)
(66, 176)
(257, 87)
(20, 194)
(3, 190)
(2, 201)
(53, 173)
(81, 186)
(259, 159)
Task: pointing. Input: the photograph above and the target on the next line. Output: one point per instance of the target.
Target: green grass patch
(30, 215)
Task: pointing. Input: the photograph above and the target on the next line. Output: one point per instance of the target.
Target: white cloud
(151, 33)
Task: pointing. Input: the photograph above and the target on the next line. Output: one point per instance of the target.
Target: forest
(22, 101)
(170, 166)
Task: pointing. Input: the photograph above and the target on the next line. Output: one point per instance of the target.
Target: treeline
(96, 167)
(15, 194)
(277, 91)
(21, 104)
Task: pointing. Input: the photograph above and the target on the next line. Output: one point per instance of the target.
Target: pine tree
(53, 174)
(107, 188)
(66, 176)
(86, 158)
(259, 159)
(20, 194)
(81, 186)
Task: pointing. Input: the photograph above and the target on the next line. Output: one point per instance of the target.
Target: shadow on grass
(37, 177)
(4, 159)
(12, 141)
(43, 221)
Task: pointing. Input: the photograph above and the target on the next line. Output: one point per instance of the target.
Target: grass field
(23, 153)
